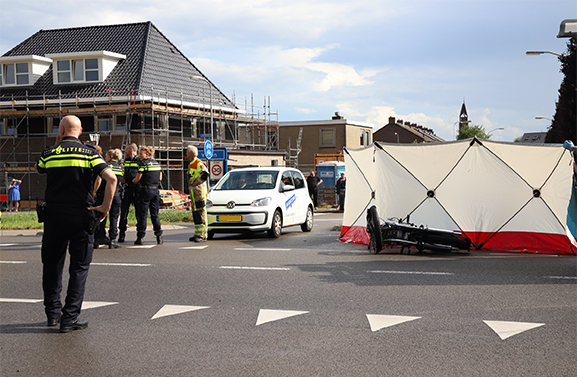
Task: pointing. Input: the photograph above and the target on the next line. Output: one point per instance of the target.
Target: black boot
(159, 240)
(121, 237)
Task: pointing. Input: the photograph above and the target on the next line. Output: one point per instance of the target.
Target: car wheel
(307, 226)
(276, 227)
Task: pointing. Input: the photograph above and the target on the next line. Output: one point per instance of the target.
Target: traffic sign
(216, 169)
(208, 149)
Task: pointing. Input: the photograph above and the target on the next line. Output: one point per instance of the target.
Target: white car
(259, 199)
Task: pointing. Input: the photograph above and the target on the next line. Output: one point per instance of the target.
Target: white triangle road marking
(167, 310)
(96, 304)
(378, 321)
(268, 315)
(21, 300)
(507, 329)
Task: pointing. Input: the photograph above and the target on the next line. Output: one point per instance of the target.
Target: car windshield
(248, 180)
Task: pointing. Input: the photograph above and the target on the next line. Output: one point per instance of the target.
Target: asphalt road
(301, 305)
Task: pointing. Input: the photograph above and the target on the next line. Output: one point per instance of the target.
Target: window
(367, 138)
(63, 67)
(327, 137)
(287, 178)
(298, 179)
(362, 137)
(16, 74)
(91, 69)
(105, 124)
(82, 70)
(1, 74)
(9, 74)
(120, 122)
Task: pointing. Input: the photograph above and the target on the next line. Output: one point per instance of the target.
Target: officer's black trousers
(61, 232)
(113, 216)
(148, 199)
(129, 197)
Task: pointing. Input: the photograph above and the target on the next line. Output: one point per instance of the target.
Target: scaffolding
(153, 118)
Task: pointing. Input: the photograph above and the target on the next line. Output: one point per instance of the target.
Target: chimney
(391, 120)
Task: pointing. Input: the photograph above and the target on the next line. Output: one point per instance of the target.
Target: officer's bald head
(70, 125)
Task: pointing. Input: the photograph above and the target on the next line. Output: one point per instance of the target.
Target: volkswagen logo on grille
(230, 205)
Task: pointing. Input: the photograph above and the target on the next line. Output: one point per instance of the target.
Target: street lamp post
(200, 78)
(494, 129)
(397, 137)
(541, 53)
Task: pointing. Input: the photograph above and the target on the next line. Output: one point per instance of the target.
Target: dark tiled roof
(152, 61)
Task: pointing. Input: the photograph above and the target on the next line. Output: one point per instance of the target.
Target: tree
(564, 122)
(467, 132)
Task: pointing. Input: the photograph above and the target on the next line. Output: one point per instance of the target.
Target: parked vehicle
(259, 199)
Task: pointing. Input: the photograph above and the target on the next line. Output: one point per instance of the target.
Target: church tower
(463, 117)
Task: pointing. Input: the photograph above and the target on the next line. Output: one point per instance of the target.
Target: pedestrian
(198, 175)
(112, 157)
(149, 176)
(341, 189)
(14, 194)
(70, 218)
(313, 183)
(129, 194)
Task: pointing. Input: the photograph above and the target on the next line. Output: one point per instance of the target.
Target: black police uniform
(130, 195)
(148, 198)
(69, 167)
(114, 208)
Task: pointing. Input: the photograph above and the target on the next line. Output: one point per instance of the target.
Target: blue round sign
(208, 149)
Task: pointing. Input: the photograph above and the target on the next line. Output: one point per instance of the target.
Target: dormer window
(83, 70)
(84, 67)
(22, 70)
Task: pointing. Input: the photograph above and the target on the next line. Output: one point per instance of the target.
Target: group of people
(313, 183)
(138, 183)
(82, 188)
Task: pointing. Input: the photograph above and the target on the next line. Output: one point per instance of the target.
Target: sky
(366, 59)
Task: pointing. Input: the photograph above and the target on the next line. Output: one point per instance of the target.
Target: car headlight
(208, 203)
(261, 202)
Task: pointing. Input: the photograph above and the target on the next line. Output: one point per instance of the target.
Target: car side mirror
(287, 188)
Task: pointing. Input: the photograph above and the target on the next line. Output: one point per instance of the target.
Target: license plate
(224, 218)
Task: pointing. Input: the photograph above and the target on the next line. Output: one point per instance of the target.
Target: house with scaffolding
(128, 84)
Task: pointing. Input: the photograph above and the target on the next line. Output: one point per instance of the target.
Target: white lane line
(261, 249)
(562, 277)
(141, 247)
(411, 272)
(122, 264)
(7, 244)
(255, 268)
(193, 247)
(21, 300)
(12, 261)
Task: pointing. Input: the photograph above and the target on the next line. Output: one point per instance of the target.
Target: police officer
(69, 203)
(112, 157)
(149, 176)
(130, 196)
(198, 175)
